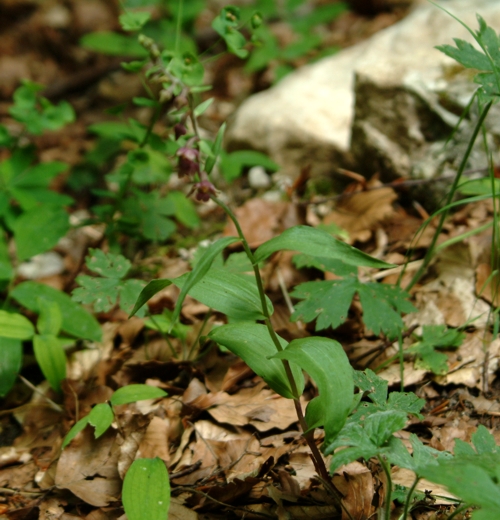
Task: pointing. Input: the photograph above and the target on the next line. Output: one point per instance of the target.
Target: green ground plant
(354, 408)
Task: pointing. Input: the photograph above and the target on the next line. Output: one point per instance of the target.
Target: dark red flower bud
(179, 129)
(188, 161)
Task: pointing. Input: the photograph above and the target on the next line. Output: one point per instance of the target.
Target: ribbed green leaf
(51, 358)
(11, 355)
(101, 417)
(234, 295)
(316, 242)
(252, 343)
(326, 362)
(132, 393)
(15, 326)
(50, 319)
(146, 490)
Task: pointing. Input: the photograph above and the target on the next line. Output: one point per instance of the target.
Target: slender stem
(316, 457)
(444, 214)
(200, 332)
(409, 497)
(178, 27)
(388, 500)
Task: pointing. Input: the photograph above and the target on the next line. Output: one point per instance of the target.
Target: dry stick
(393, 184)
(319, 463)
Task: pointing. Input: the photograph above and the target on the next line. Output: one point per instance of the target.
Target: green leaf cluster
(101, 416)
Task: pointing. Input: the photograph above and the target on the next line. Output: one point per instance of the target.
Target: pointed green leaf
(326, 362)
(11, 356)
(203, 107)
(153, 287)
(101, 418)
(200, 270)
(50, 319)
(51, 358)
(15, 326)
(75, 319)
(75, 430)
(316, 242)
(234, 295)
(216, 149)
(252, 343)
(146, 490)
(132, 393)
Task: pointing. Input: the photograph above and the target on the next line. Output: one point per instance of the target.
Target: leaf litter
(231, 444)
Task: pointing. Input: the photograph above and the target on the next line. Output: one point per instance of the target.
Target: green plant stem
(200, 332)
(317, 459)
(388, 495)
(408, 499)
(458, 511)
(444, 214)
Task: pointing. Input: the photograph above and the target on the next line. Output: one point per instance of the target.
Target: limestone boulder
(384, 105)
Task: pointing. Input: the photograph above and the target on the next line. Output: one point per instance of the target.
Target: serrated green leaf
(252, 343)
(328, 301)
(132, 393)
(101, 417)
(11, 356)
(369, 382)
(468, 481)
(483, 441)
(101, 293)
(466, 54)
(153, 287)
(315, 242)
(146, 490)
(134, 21)
(232, 294)
(51, 359)
(326, 362)
(75, 430)
(75, 319)
(200, 270)
(15, 326)
(107, 264)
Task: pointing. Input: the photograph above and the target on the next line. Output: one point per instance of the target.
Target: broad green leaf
(188, 69)
(200, 270)
(101, 293)
(75, 430)
(132, 393)
(11, 356)
(39, 229)
(326, 362)
(113, 44)
(232, 294)
(153, 287)
(146, 490)
(51, 358)
(129, 292)
(315, 242)
(184, 209)
(15, 326)
(381, 425)
(75, 319)
(253, 344)
(50, 319)
(232, 164)
(101, 417)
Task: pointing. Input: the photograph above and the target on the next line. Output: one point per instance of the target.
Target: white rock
(41, 266)
(258, 178)
(308, 117)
